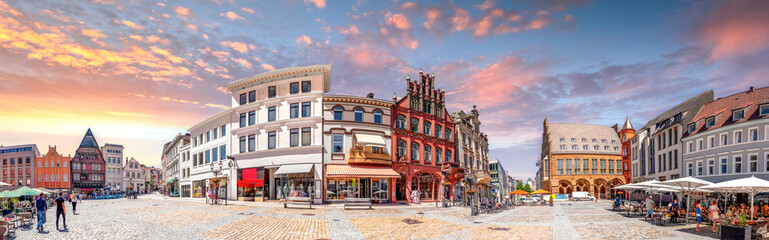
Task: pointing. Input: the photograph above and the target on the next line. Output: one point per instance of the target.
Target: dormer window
(692, 127)
(574, 147)
(563, 140)
(596, 147)
(573, 140)
(563, 147)
(763, 109)
(604, 141)
(613, 141)
(738, 114)
(584, 140)
(586, 147)
(709, 122)
(595, 140)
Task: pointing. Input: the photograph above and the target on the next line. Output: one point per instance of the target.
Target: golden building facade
(581, 157)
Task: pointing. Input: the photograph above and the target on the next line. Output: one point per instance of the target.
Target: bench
(357, 202)
(297, 201)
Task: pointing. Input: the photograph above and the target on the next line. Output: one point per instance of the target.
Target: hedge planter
(735, 232)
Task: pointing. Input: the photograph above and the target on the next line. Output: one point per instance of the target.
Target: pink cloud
(232, 15)
(131, 24)
(240, 47)
(268, 67)
(398, 20)
(182, 11)
(317, 3)
(410, 5)
(303, 40)
(242, 62)
(736, 28)
(248, 10)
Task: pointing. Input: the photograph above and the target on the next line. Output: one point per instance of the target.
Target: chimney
(370, 95)
(751, 89)
(395, 98)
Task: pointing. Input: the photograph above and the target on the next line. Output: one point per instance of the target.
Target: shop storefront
(351, 181)
(186, 189)
(219, 185)
(251, 184)
(199, 189)
(295, 180)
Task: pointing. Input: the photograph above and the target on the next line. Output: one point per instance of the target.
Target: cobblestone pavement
(157, 217)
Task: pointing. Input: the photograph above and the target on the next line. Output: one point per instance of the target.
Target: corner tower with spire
(627, 133)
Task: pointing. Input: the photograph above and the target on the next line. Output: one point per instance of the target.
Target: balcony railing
(369, 155)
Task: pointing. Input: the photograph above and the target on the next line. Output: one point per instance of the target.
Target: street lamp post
(473, 206)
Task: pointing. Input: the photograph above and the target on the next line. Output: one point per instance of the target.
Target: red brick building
(88, 166)
(422, 142)
(53, 170)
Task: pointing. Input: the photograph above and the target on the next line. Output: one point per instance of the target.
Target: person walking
(713, 214)
(73, 199)
(41, 206)
(650, 208)
(60, 211)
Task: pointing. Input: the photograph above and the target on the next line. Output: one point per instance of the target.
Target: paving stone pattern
(156, 217)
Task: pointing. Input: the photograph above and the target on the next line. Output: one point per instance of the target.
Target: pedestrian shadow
(63, 230)
(705, 231)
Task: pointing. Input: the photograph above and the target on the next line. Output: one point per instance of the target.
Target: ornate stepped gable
(88, 153)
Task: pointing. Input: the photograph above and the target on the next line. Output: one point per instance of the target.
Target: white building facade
(185, 163)
(277, 132)
(729, 138)
(113, 158)
(134, 175)
(209, 167)
(172, 155)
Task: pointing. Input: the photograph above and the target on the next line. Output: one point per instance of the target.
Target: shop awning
(294, 168)
(169, 180)
(339, 171)
(370, 139)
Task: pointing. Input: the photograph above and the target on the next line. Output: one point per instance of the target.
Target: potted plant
(446, 184)
(471, 192)
(738, 231)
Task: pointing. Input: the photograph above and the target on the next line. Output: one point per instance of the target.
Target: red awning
(253, 182)
(343, 171)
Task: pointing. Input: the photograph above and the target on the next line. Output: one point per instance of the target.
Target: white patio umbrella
(654, 186)
(3, 184)
(750, 185)
(687, 185)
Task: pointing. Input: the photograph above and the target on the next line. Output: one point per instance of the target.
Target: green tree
(519, 186)
(527, 188)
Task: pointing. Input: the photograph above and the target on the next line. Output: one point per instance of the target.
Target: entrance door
(365, 187)
(277, 189)
(399, 190)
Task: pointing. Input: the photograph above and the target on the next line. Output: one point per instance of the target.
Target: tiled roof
(689, 107)
(577, 131)
(722, 109)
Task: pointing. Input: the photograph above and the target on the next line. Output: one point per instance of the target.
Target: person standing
(60, 211)
(674, 210)
(697, 214)
(41, 206)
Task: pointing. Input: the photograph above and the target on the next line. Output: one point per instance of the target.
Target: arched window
(438, 155)
(438, 129)
(428, 153)
(596, 147)
(414, 124)
(606, 148)
(358, 114)
(414, 151)
(401, 148)
(401, 122)
(338, 113)
(574, 147)
(377, 116)
(573, 140)
(584, 140)
(427, 125)
(563, 147)
(586, 147)
(448, 156)
(563, 140)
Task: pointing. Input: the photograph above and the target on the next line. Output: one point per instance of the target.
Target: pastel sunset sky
(139, 72)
